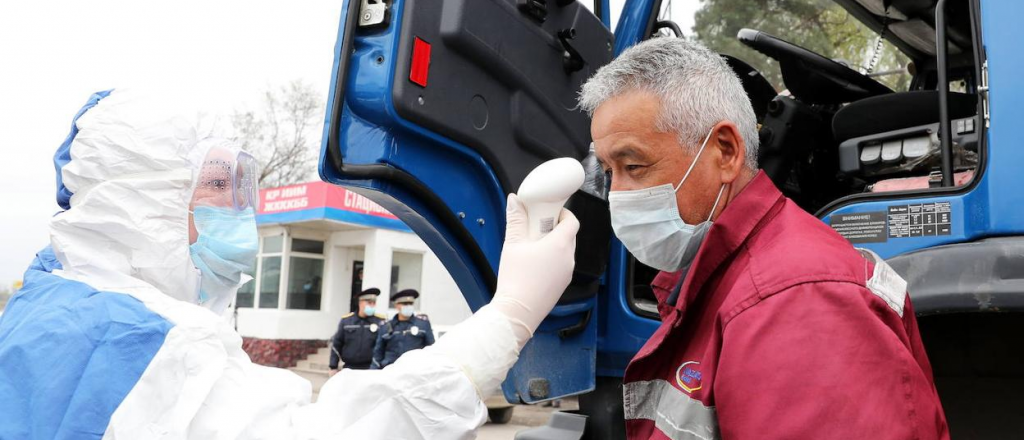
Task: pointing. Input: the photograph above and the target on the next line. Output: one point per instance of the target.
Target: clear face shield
(227, 179)
(223, 235)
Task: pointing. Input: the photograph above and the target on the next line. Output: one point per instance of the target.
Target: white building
(319, 243)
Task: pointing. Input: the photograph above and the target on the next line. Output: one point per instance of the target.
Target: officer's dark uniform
(398, 337)
(355, 339)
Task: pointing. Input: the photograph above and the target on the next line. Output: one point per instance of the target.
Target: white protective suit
(132, 173)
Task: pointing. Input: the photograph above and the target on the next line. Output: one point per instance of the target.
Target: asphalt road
(523, 417)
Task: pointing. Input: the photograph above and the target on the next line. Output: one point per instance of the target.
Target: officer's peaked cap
(407, 294)
(369, 294)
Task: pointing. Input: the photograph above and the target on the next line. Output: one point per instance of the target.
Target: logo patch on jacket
(688, 376)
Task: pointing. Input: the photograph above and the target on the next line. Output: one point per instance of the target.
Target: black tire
(603, 407)
(500, 416)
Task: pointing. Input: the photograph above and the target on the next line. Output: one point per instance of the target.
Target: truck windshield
(820, 26)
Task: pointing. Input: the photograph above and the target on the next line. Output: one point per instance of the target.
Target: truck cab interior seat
(895, 111)
(896, 137)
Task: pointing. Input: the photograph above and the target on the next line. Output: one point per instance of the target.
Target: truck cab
(439, 109)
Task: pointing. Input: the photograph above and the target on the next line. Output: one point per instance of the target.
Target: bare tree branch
(281, 133)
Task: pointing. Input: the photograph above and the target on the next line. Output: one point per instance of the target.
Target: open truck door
(439, 109)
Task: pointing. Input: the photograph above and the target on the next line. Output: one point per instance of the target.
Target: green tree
(820, 26)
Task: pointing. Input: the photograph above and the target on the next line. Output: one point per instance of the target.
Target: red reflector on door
(420, 62)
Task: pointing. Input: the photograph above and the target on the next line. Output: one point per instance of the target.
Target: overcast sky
(54, 54)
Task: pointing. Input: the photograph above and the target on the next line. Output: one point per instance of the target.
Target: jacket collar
(737, 222)
(411, 320)
(664, 284)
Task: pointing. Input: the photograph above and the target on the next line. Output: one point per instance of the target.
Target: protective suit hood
(126, 175)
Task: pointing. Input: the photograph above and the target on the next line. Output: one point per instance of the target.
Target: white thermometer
(546, 189)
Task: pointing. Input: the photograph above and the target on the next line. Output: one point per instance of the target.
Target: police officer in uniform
(357, 334)
(406, 331)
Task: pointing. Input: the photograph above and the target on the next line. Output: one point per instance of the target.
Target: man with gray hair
(773, 326)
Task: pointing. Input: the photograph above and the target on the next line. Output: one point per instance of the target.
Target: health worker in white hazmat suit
(117, 332)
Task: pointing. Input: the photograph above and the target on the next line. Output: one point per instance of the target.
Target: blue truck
(439, 108)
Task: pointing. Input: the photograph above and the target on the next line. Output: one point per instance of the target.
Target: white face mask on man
(647, 222)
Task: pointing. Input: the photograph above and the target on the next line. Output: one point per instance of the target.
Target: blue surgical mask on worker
(647, 222)
(224, 251)
(369, 310)
(407, 310)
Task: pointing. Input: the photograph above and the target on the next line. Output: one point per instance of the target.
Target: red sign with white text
(317, 195)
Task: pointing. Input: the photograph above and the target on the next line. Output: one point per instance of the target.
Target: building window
(272, 244)
(270, 248)
(270, 281)
(307, 246)
(406, 271)
(394, 279)
(297, 268)
(305, 274)
(246, 294)
(305, 277)
(268, 271)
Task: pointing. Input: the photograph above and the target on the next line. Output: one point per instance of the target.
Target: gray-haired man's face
(638, 155)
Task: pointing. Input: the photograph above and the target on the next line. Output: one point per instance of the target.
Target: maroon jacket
(781, 330)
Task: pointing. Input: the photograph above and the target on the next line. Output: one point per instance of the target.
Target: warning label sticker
(922, 220)
(862, 227)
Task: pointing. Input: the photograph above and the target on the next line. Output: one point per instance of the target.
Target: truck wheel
(603, 407)
(500, 416)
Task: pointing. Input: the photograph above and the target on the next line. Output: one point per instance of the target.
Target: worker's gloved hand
(533, 274)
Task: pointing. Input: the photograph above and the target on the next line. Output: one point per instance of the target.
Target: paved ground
(524, 416)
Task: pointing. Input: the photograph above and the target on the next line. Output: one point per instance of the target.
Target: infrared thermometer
(546, 189)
